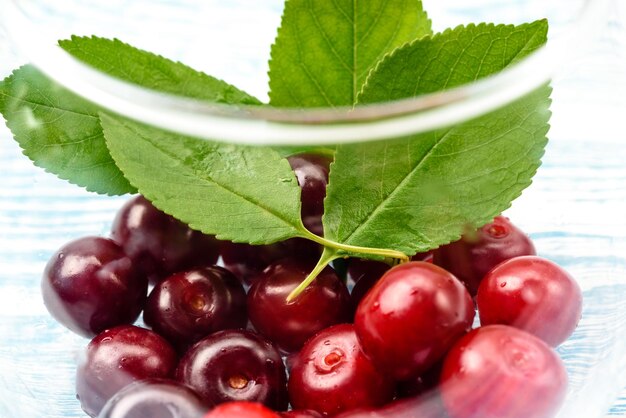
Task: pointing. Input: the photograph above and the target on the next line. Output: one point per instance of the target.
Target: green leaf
(325, 50)
(242, 194)
(146, 69)
(60, 131)
(416, 193)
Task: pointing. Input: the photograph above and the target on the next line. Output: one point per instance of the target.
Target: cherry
(188, 306)
(533, 294)
(471, 257)
(331, 375)
(312, 173)
(158, 243)
(155, 398)
(90, 285)
(235, 365)
(117, 357)
(247, 261)
(411, 317)
(241, 410)
(288, 325)
(499, 371)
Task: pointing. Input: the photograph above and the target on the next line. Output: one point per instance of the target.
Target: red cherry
(533, 294)
(241, 410)
(411, 317)
(90, 285)
(323, 303)
(471, 257)
(331, 375)
(117, 357)
(159, 244)
(499, 371)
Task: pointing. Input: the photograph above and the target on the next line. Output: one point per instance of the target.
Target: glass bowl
(573, 211)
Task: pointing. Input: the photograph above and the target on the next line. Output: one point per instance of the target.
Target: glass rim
(266, 125)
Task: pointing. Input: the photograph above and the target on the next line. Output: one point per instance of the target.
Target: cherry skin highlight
(117, 357)
(242, 410)
(412, 317)
(323, 303)
(499, 371)
(159, 244)
(235, 365)
(90, 285)
(471, 257)
(331, 375)
(188, 306)
(533, 294)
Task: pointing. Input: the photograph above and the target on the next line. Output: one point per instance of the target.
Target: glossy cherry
(312, 173)
(471, 257)
(411, 317)
(241, 410)
(331, 375)
(235, 365)
(118, 357)
(188, 306)
(90, 285)
(159, 244)
(499, 371)
(289, 324)
(533, 294)
(154, 398)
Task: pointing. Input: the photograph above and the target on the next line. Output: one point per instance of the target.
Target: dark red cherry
(158, 243)
(312, 173)
(499, 371)
(90, 285)
(154, 398)
(533, 294)
(471, 257)
(247, 261)
(331, 375)
(118, 357)
(235, 365)
(289, 324)
(411, 317)
(242, 410)
(188, 306)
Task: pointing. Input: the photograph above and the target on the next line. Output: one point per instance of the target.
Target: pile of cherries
(222, 338)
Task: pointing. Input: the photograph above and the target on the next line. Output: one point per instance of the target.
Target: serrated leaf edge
(543, 22)
(37, 164)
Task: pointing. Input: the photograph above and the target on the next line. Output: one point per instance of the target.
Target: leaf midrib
(396, 190)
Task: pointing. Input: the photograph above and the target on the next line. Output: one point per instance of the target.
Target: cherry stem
(403, 258)
(326, 257)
